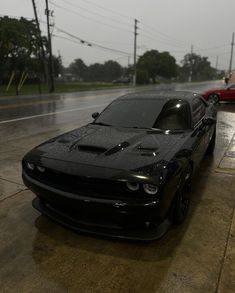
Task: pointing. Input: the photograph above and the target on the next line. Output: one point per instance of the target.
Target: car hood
(108, 148)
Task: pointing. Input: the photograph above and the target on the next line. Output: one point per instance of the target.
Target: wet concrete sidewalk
(37, 255)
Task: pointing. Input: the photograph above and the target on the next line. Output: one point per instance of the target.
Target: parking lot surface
(38, 255)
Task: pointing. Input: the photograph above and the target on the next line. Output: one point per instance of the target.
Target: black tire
(211, 146)
(213, 98)
(182, 199)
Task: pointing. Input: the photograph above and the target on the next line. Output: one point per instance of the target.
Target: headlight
(150, 188)
(133, 186)
(30, 166)
(41, 169)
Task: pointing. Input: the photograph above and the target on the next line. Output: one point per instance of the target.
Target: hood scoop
(91, 149)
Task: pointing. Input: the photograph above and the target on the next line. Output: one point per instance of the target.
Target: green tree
(153, 64)
(107, 72)
(199, 67)
(112, 70)
(78, 68)
(19, 45)
(142, 76)
(20, 51)
(149, 63)
(167, 65)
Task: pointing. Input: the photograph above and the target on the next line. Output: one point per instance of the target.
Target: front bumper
(130, 219)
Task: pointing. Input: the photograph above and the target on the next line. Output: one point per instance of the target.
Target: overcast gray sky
(165, 25)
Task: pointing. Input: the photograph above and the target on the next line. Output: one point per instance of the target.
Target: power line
(128, 17)
(68, 39)
(159, 41)
(90, 18)
(82, 41)
(162, 39)
(108, 9)
(115, 27)
(161, 33)
(98, 14)
(79, 43)
(92, 44)
(213, 48)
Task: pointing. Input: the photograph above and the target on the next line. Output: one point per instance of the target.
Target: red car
(223, 94)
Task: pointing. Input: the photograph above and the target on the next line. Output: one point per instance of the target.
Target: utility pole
(191, 66)
(135, 40)
(42, 51)
(231, 56)
(216, 63)
(51, 75)
(128, 61)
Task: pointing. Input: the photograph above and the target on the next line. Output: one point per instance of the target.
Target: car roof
(163, 95)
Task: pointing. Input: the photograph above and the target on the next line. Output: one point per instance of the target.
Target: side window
(198, 109)
(174, 116)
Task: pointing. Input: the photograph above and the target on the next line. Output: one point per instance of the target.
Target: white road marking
(52, 113)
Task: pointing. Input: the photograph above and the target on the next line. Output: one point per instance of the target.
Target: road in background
(22, 116)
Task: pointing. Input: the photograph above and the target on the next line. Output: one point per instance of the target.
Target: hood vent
(142, 148)
(148, 151)
(117, 148)
(91, 149)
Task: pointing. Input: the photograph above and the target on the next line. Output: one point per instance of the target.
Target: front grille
(95, 187)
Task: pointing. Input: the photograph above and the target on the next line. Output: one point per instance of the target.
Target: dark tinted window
(199, 110)
(174, 116)
(147, 114)
(132, 113)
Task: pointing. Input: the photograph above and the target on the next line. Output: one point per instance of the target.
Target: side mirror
(209, 121)
(95, 115)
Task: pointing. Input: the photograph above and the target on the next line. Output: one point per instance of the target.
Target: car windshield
(151, 113)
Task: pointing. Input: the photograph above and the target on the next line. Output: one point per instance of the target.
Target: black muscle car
(127, 174)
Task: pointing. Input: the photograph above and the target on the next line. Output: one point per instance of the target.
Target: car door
(200, 133)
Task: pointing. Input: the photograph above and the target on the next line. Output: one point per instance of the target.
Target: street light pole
(231, 56)
(51, 75)
(41, 43)
(191, 65)
(135, 41)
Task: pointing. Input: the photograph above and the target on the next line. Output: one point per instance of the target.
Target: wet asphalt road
(21, 116)
(37, 255)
